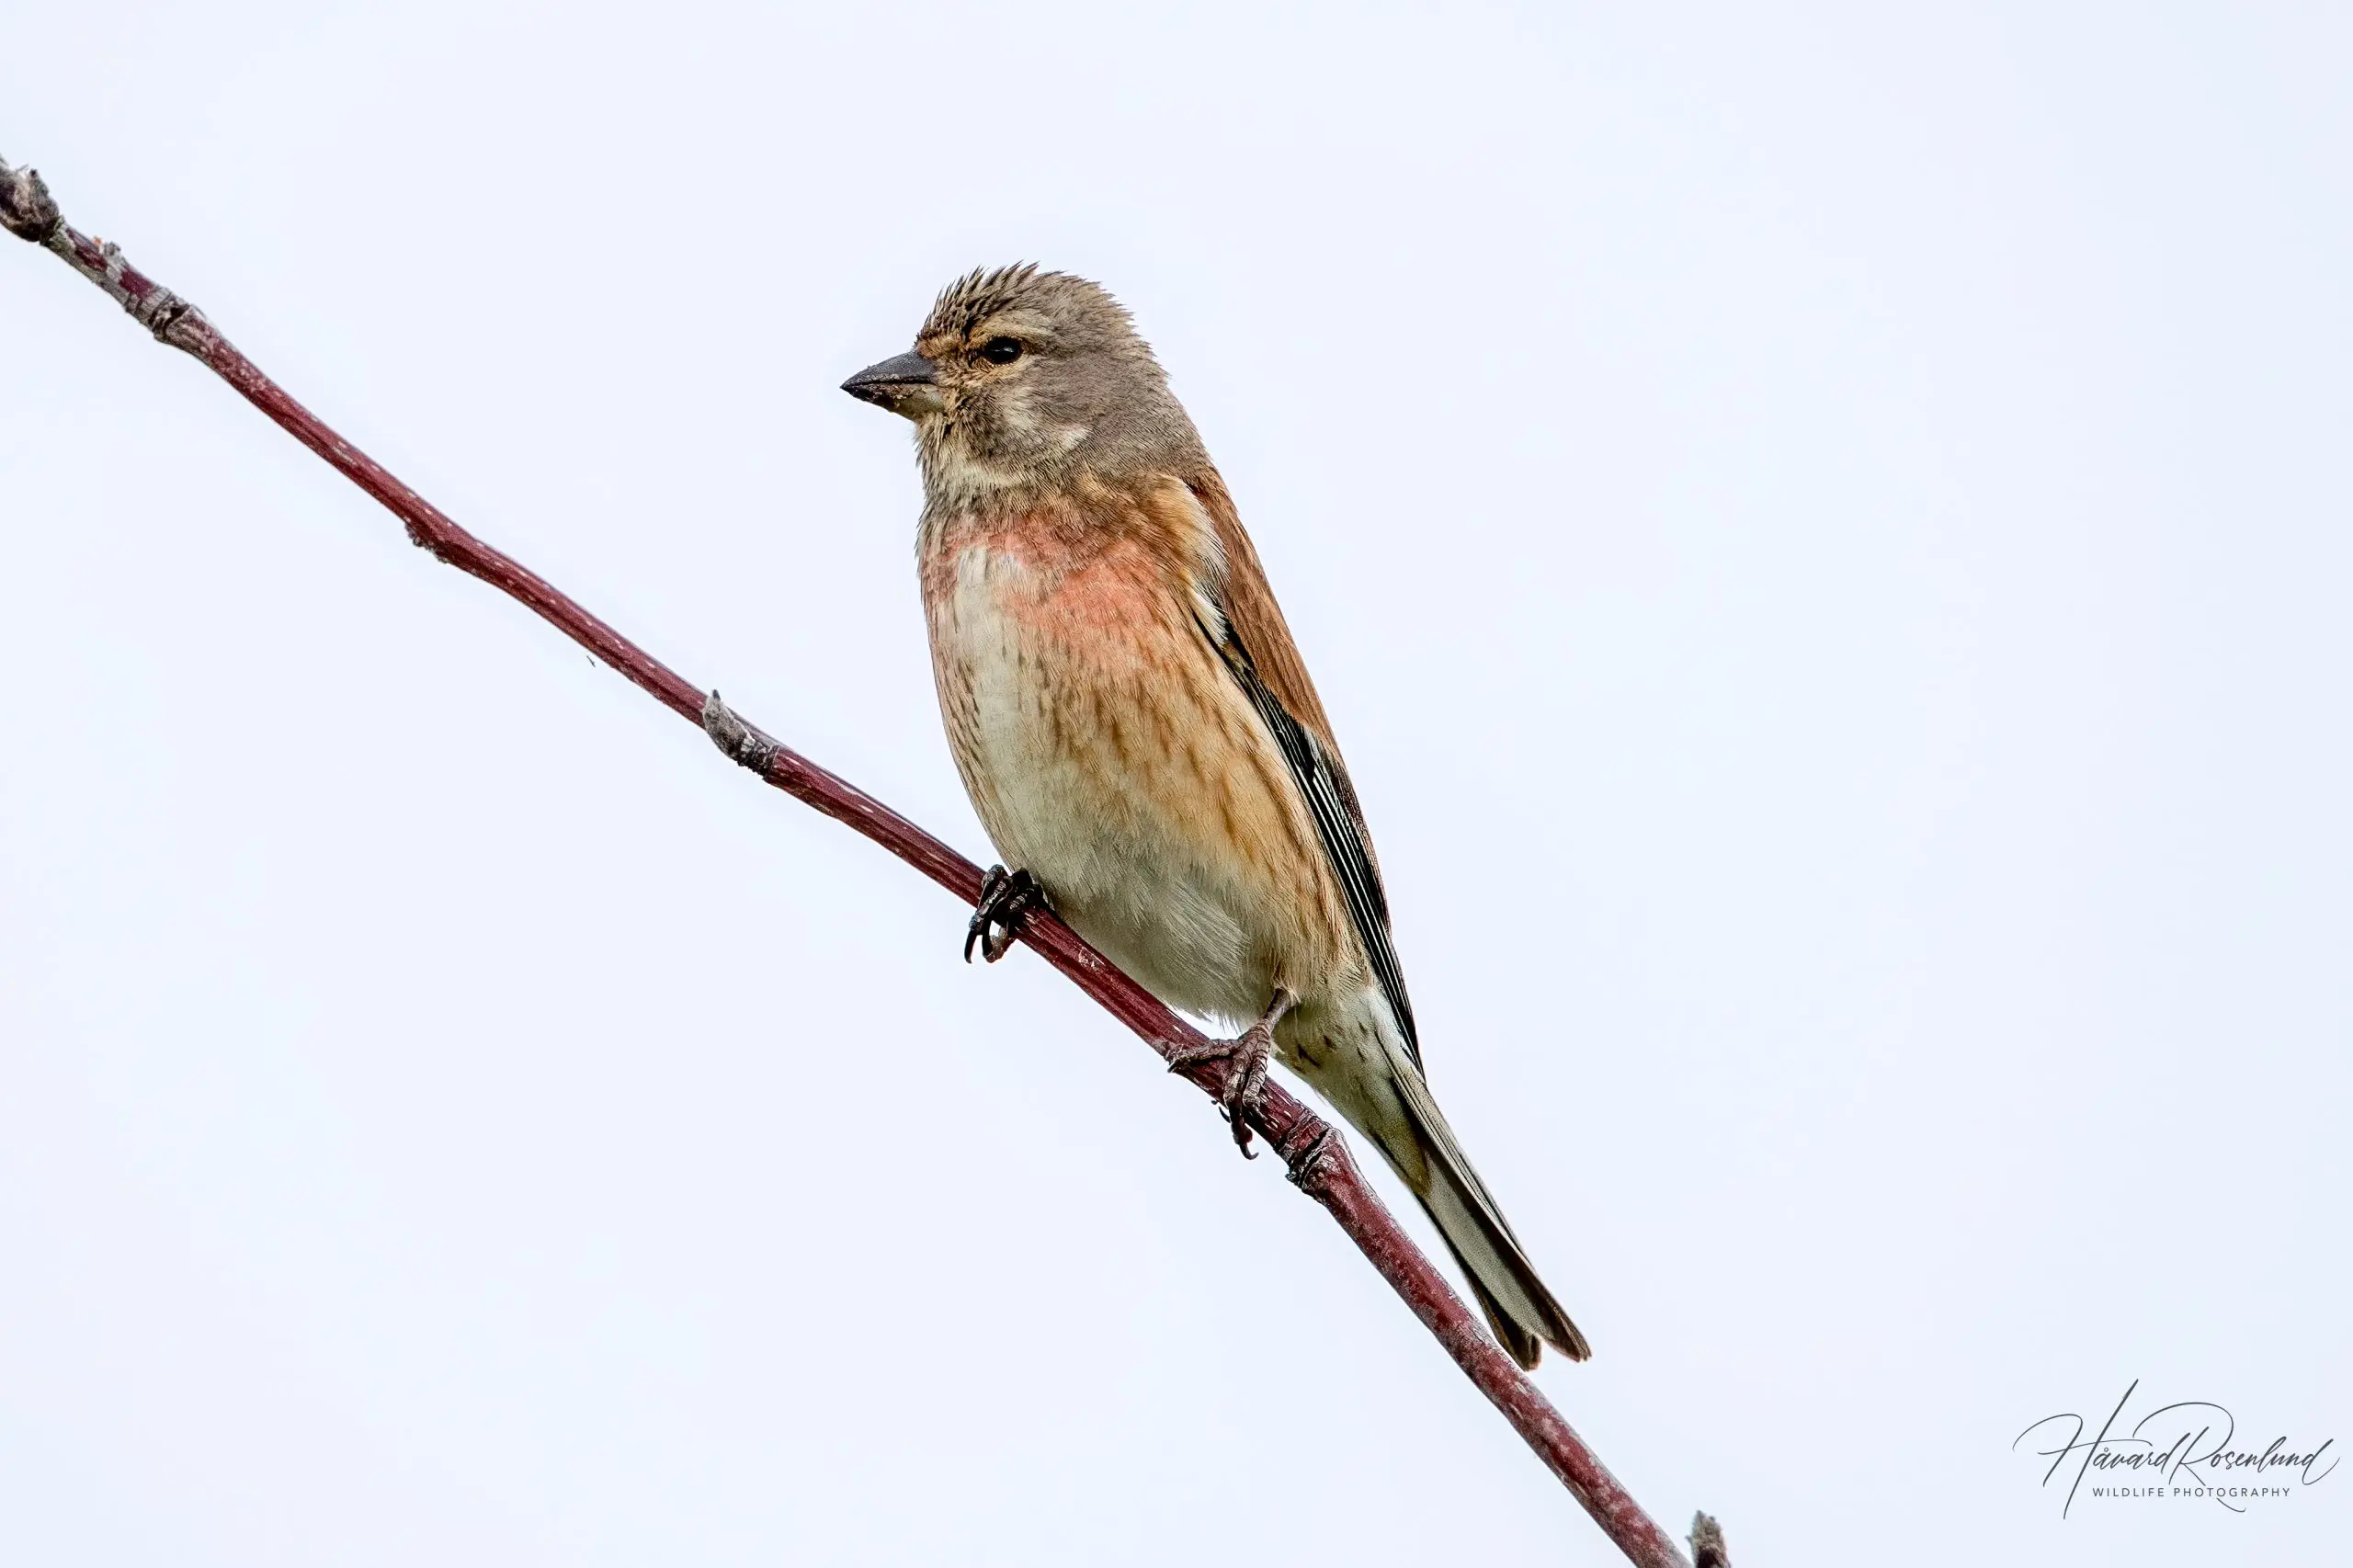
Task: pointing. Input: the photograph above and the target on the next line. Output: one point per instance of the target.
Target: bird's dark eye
(1001, 350)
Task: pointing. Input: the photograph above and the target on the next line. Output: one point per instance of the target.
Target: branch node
(149, 303)
(740, 741)
(27, 209)
(1708, 1543)
(1311, 1153)
(162, 312)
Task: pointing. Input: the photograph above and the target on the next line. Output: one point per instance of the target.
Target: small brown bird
(1141, 740)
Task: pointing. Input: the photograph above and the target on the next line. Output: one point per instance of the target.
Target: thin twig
(1318, 1159)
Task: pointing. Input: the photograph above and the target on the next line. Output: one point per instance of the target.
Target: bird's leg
(1006, 898)
(1245, 1082)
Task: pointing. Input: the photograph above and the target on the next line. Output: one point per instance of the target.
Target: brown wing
(1258, 649)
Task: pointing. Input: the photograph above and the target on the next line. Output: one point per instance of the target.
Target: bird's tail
(1413, 1135)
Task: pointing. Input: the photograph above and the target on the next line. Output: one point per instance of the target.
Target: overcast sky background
(1824, 534)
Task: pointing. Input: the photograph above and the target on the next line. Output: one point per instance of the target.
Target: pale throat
(956, 474)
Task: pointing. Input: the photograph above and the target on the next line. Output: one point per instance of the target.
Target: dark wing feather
(1256, 646)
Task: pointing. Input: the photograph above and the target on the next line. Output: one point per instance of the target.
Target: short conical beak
(908, 385)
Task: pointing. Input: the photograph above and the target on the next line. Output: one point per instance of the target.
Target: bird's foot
(1248, 1055)
(1007, 898)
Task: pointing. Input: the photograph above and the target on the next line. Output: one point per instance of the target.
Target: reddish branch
(1318, 1159)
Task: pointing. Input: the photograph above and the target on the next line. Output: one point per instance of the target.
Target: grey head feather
(1084, 395)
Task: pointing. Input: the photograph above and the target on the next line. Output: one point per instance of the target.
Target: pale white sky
(1823, 536)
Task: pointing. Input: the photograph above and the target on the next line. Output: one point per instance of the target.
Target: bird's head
(1020, 379)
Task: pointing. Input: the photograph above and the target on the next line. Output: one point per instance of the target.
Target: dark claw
(1245, 1084)
(1005, 899)
(991, 885)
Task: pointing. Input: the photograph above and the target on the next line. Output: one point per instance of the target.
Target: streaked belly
(1108, 752)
